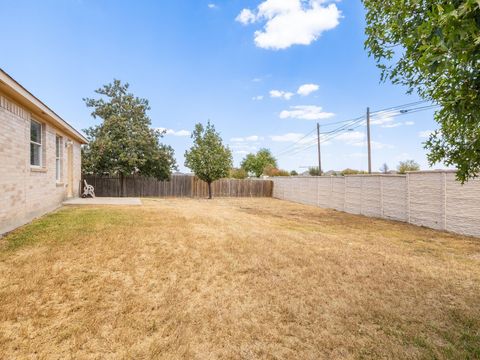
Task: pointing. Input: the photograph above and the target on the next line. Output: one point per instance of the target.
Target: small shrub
(238, 173)
(352, 172)
(408, 165)
(273, 171)
(314, 171)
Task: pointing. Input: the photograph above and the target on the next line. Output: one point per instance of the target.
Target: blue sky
(241, 64)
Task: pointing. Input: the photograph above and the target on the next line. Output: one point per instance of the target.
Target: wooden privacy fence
(177, 186)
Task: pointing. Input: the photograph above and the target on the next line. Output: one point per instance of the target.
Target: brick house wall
(27, 192)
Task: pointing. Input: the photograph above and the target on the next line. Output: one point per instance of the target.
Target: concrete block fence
(432, 199)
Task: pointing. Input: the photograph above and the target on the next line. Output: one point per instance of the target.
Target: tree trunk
(209, 190)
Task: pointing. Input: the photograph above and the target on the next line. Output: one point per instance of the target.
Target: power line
(344, 121)
(351, 121)
(330, 135)
(404, 111)
(401, 106)
(296, 142)
(352, 124)
(398, 108)
(328, 138)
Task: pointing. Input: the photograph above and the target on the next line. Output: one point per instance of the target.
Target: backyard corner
(235, 278)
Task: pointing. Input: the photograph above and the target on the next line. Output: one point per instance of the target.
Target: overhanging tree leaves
(433, 48)
(256, 163)
(208, 158)
(124, 144)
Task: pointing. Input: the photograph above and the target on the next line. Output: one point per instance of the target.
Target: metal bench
(88, 190)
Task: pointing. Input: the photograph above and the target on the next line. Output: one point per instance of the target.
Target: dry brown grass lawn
(235, 279)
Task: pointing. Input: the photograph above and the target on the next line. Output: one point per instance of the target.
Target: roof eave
(35, 103)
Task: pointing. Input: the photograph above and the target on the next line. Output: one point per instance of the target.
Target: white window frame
(58, 158)
(40, 144)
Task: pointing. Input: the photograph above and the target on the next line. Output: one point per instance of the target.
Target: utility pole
(319, 153)
(369, 143)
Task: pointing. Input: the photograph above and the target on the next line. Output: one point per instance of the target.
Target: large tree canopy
(433, 47)
(124, 144)
(208, 158)
(256, 163)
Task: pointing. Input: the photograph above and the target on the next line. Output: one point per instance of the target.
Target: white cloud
(270, 8)
(281, 94)
(300, 139)
(252, 138)
(358, 138)
(289, 137)
(212, 6)
(307, 89)
(391, 125)
(351, 137)
(291, 22)
(382, 119)
(425, 134)
(242, 152)
(243, 148)
(174, 133)
(256, 79)
(386, 120)
(305, 112)
(257, 98)
(246, 17)
(358, 155)
(379, 146)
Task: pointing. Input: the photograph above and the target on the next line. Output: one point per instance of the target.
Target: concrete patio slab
(125, 201)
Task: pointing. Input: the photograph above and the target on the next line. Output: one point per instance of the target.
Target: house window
(35, 143)
(58, 158)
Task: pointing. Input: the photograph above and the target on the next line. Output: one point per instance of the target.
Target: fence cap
(439, 171)
(335, 176)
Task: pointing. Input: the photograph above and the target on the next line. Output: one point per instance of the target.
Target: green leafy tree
(124, 144)
(433, 48)
(293, 173)
(238, 173)
(249, 164)
(208, 158)
(256, 163)
(407, 165)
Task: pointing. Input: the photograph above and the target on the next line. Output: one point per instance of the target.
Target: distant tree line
(124, 144)
(402, 168)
